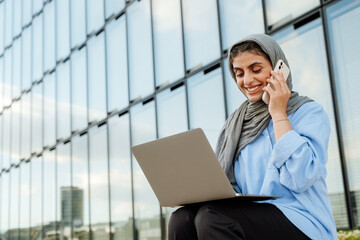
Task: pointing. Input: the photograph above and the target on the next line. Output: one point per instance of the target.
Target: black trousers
(223, 220)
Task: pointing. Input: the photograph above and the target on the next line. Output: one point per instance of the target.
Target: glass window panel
(343, 19)
(95, 15)
(7, 77)
(15, 202)
(117, 74)
(25, 125)
(146, 205)
(36, 196)
(140, 49)
(120, 177)
(172, 113)
(36, 6)
(168, 44)
(80, 186)
(26, 58)
(305, 68)
(49, 36)
(235, 17)
(37, 118)
(8, 22)
(25, 193)
(96, 75)
(6, 155)
(26, 12)
(172, 119)
(278, 11)
(5, 204)
(63, 100)
(49, 110)
(1, 148)
(64, 210)
(99, 195)
(2, 26)
(1, 82)
(17, 24)
(16, 70)
(37, 45)
(201, 31)
(78, 27)
(113, 6)
(206, 90)
(15, 132)
(234, 96)
(49, 190)
(79, 90)
(63, 28)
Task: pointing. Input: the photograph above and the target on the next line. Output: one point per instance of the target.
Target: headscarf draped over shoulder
(248, 121)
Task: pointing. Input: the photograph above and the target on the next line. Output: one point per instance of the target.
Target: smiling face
(251, 71)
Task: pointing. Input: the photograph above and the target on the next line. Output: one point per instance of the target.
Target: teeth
(253, 89)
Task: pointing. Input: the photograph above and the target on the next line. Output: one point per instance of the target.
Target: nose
(247, 79)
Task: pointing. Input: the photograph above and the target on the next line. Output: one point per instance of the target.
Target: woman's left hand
(279, 96)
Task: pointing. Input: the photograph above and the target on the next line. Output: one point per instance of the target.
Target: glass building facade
(83, 80)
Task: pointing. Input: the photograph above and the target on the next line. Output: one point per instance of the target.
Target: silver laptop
(183, 169)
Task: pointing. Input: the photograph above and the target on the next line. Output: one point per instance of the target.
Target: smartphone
(279, 67)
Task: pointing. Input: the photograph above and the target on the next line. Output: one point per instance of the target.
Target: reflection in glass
(140, 49)
(17, 27)
(79, 90)
(63, 28)
(201, 32)
(99, 194)
(16, 70)
(37, 48)
(5, 201)
(172, 119)
(113, 6)
(168, 44)
(36, 196)
(7, 77)
(25, 193)
(26, 57)
(235, 17)
(49, 36)
(49, 110)
(37, 117)
(15, 202)
(2, 28)
(8, 22)
(63, 100)
(305, 68)
(25, 125)
(120, 177)
(78, 24)
(116, 65)
(96, 77)
(36, 6)
(80, 187)
(6, 155)
(206, 90)
(343, 18)
(278, 12)
(95, 15)
(26, 12)
(15, 132)
(146, 205)
(64, 210)
(234, 96)
(49, 190)
(1, 82)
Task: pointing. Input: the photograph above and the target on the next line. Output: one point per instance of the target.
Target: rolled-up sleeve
(301, 154)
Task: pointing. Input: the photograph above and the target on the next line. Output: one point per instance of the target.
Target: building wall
(82, 81)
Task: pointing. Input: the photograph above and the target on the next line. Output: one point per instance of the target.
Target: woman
(278, 149)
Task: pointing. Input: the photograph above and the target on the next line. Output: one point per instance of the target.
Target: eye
(257, 69)
(239, 74)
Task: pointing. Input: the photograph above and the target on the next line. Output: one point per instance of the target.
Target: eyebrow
(250, 66)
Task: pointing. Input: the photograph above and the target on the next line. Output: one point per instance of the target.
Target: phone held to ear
(280, 67)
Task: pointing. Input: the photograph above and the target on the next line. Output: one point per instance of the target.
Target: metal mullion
(265, 17)
(338, 124)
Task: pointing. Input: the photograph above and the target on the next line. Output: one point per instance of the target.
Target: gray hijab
(248, 121)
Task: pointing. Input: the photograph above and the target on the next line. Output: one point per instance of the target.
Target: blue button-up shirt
(294, 168)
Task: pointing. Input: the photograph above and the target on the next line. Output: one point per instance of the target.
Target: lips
(253, 89)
